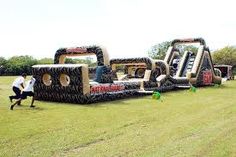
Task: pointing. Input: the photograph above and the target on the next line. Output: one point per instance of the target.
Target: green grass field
(183, 124)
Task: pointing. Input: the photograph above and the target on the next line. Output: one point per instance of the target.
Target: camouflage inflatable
(73, 82)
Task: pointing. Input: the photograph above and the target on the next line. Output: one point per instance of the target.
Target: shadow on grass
(216, 86)
(121, 101)
(224, 86)
(27, 107)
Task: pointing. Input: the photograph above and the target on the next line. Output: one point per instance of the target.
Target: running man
(16, 85)
(27, 91)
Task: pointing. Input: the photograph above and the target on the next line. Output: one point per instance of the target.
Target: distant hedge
(17, 65)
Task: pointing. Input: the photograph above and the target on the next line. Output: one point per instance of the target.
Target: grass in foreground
(183, 124)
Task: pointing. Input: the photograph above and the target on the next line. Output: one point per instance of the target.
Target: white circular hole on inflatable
(47, 80)
(64, 80)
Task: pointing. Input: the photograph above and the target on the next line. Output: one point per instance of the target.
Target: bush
(226, 55)
(19, 64)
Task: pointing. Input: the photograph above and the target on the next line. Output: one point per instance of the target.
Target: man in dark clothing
(27, 91)
(16, 85)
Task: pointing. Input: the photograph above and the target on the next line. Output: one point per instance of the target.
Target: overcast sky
(125, 27)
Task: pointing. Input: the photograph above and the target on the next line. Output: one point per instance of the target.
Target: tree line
(17, 65)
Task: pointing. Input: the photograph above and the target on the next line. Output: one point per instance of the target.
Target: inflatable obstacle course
(78, 83)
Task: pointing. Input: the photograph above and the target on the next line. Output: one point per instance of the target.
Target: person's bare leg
(12, 106)
(32, 102)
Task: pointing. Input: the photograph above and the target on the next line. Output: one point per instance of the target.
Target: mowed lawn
(182, 124)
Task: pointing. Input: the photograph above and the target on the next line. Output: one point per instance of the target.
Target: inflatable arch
(100, 52)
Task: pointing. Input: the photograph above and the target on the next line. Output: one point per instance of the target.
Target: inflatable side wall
(61, 83)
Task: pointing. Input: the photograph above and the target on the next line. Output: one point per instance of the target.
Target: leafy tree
(17, 65)
(20, 64)
(184, 48)
(3, 63)
(70, 61)
(45, 61)
(158, 51)
(226, 55)
(87, 60)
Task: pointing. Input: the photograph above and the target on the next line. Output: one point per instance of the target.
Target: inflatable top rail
(188, 40)
(100, 52)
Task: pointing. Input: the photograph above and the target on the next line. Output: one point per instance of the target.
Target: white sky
(127, 28)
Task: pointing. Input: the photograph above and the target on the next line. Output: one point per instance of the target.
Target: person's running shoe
(32, 106)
